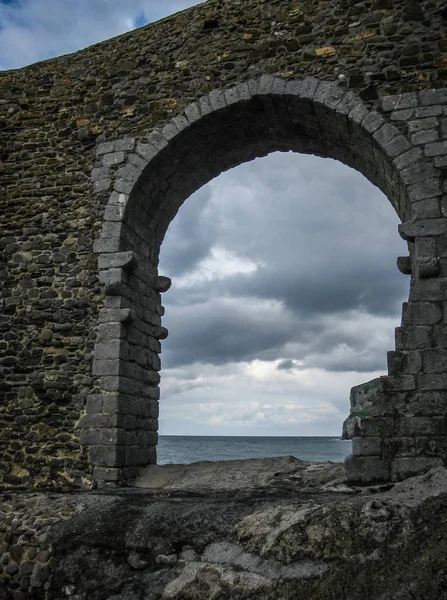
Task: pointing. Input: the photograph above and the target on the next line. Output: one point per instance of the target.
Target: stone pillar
(121, 421)
(398, 423)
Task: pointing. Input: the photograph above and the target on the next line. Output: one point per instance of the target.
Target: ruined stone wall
(56, 119)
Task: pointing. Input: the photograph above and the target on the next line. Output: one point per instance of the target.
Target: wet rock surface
(285, 529)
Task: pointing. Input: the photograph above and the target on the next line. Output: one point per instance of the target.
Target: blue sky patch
(139, 21)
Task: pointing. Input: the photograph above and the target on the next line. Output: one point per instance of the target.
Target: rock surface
(264, 528)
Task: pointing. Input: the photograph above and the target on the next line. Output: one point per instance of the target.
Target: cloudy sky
(285, 291)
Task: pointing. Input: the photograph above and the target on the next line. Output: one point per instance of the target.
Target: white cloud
(34, 30)
(219, 264)
(236, 401)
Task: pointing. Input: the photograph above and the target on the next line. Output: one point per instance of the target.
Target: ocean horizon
(186, 449)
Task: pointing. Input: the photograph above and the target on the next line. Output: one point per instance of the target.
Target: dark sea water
(176, 449)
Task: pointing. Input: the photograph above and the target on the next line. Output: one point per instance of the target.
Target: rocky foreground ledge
(267, 529)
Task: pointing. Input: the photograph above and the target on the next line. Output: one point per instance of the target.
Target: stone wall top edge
(159, 31)
(65, 58)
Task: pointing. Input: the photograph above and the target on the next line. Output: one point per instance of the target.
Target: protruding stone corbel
(161, 333)
(118, 260)
(404, 265)
(162, 284)
(405, 231)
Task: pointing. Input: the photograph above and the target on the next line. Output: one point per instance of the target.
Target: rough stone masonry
(99, 150)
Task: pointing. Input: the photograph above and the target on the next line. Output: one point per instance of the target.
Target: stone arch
(216, 132)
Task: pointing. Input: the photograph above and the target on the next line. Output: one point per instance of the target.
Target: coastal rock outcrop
(283, 529)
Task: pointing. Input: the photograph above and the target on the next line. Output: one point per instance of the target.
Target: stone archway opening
(283, 274)
(219, 131)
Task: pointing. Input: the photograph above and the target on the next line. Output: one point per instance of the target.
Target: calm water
(187, 449)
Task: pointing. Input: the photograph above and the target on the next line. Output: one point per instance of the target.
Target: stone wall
(92, 142)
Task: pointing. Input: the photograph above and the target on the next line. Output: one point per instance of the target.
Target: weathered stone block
(231, 96)
(404, 362)
(399, 102)
(427, 267)
(113, 349)
(424, 189)
(432, 381)
(192, 112)
(94, 404)
(420, 426)
(126, 144)
(401, 468)
(440, 336)
(431, 446)
(424, 137)
(118, 315)
(428, 111)
(436, 149)
(413, 338)
(428, 227)
(102, 185)
(107, 456)
(162, 284)
(404, 265)
(427, 404)
(104, 368)
(90, 437)
(115, 260)
(376, 427)
(366, 446)
(397, 146)
(428, 290)
(430, 97)
(417, 172)
(113, 158)
(217, 99)
(112, 436)
(385, 134)
(105, 148)
(434, 361)
(397, 447)
(107, 244)
(110, 331)
(402, 115)
(426, 209)
(98, 421)
(102, 474)
(100, 173)
(366, 469)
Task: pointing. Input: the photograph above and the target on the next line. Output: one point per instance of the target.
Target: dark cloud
(190, 236)
(323, 249)
(286, 365)
(224, 331)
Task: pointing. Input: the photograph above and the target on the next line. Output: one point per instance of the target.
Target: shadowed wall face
(93, 143)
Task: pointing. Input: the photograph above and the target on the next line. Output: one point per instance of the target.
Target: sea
(185, 449)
